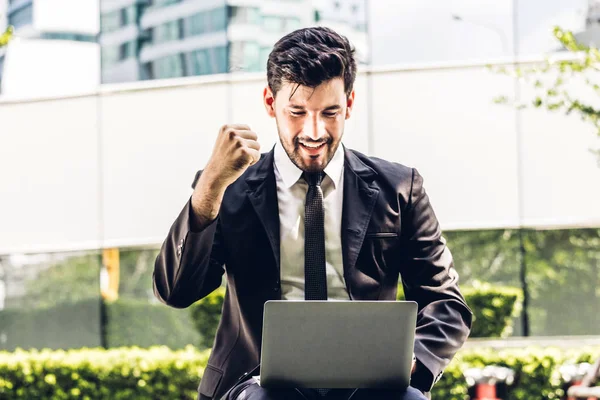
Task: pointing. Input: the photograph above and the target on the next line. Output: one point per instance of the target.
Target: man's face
(310, 122)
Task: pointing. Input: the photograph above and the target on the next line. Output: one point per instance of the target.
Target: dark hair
(309, 57)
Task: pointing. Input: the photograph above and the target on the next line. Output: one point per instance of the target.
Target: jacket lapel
(359, 199)
(262, 194)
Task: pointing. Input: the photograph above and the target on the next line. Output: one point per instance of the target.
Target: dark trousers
(250, 390)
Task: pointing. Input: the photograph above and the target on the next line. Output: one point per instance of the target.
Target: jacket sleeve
(190, 264)
(429, 278)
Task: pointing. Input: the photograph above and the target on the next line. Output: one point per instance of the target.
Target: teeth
(313, 146)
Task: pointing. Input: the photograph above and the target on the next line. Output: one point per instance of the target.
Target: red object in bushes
(577, 383)
(485, 391)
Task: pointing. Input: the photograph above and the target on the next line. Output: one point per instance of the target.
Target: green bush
(536, 371)
(206, 315)
(127, 322)
(157, 373)
(160, 373)
(494, 308)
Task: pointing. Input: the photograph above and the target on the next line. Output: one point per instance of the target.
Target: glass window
(129, 15)
(169, 67)
(199, 62)
(291, 24)
(21, 17)
(244, 15)
(220, 59)
(245, 56)
(127, 50)
(68, 36)
(252, 56)
(110, 56)
(110, 21)
(166, 32)
(218, 19)
(361, 27)
(147, 71)
(253, 15)
(264, 57)
(208, 61)
(196, 24)
(272, 23)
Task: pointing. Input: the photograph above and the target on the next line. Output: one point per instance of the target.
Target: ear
(269, 101)
(349, 105)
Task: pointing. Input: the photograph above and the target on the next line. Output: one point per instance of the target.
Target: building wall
(53, 52)
(115, 168)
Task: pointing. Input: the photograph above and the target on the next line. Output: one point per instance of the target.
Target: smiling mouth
(313, 146)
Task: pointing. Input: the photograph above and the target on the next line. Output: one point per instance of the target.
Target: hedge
(127, 373)
(493, 310)
(131, 322)
(160, 373)
(126, 322)
(206, 315)
(536, 371)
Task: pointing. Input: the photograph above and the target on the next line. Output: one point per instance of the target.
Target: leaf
(6, 36)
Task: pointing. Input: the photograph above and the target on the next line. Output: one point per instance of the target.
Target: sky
(424, 31)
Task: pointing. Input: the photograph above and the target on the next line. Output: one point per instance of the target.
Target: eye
(330, 114)
(297, 113)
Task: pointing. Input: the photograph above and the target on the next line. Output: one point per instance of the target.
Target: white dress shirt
(291, 196)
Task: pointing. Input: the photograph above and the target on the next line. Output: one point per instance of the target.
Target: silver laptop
(337, 344)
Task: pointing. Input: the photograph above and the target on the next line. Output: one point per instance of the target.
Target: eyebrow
(330, 108)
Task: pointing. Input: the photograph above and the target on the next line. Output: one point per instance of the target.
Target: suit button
(275, 288)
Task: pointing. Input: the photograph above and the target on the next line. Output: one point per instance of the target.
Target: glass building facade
(176, 38)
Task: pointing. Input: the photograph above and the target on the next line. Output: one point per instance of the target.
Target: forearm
(188, 266)
(206, 200)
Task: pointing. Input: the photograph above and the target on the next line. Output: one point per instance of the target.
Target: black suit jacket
(388, 230)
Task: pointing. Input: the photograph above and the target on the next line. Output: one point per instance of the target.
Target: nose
(314, 128)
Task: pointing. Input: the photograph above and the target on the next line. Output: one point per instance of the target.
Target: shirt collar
(290, 173)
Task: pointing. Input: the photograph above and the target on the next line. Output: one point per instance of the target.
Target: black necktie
(315, 278)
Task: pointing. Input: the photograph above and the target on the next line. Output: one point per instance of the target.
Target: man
(309, 219)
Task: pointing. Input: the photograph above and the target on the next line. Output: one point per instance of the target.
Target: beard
(309, 163)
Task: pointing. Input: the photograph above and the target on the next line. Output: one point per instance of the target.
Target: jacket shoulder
(395, 174)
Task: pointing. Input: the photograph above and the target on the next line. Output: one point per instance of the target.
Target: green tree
(554, 80)
(77, 277)
(69, 280)
(563, 273)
